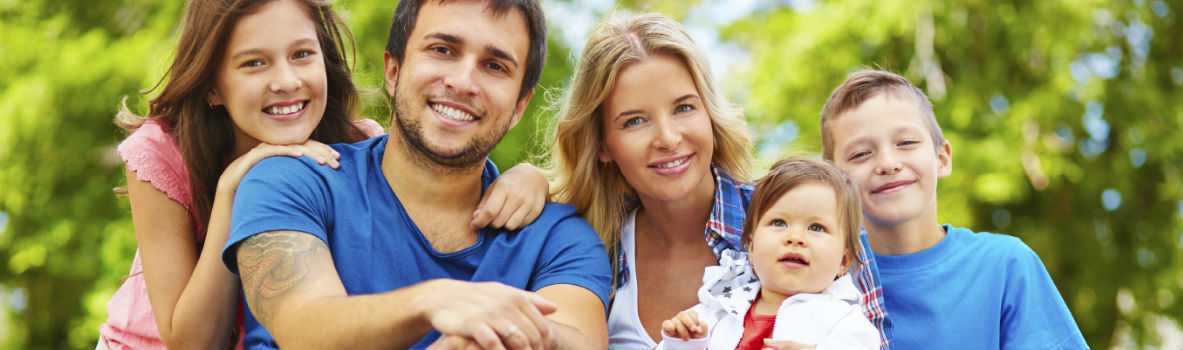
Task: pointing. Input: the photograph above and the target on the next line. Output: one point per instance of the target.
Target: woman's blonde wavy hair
(597, 189)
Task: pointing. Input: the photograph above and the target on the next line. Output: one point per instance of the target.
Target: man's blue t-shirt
(975, 291)
(377, 248)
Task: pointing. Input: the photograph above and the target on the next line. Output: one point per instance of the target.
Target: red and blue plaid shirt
(724, 231)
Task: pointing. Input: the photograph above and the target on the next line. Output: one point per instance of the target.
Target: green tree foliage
(1063, 116)
(68, 240)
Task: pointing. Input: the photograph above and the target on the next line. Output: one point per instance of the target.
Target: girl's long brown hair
(205, 134)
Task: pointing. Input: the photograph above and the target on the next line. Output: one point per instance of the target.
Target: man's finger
(520, 328)
(487, 338)
(546, 307)
(540, 323)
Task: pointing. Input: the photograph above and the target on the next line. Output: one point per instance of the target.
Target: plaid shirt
(724, 231)
(867, 281)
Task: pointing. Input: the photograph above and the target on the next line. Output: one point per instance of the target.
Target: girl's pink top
(153, 154)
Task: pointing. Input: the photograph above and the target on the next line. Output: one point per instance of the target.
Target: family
(269, 215)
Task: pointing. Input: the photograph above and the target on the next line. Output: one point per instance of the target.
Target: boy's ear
(944, 160)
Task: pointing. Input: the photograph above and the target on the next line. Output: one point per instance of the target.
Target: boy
(945, 287)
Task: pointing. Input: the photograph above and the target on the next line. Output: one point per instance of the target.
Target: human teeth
(672, 164)
(452, 113)
(286, 110)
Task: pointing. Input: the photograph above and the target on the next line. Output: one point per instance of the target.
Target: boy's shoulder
(986, 237)
(990, 246)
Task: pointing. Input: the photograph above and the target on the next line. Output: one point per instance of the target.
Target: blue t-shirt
(975, 291)
(377, 248)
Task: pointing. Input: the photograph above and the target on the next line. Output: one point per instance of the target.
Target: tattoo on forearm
(272, 264)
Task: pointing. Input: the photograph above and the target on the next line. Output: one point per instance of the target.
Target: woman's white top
(832, 319)
(625, 331)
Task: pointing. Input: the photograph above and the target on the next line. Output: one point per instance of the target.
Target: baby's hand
(686, 325)
(770, 344)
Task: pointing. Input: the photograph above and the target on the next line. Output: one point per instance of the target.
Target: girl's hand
(514, 200)
(770, 344)
(321, 153)
(686, 325)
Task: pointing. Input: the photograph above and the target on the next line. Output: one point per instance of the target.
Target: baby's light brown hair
(789, 173)
(865, 84)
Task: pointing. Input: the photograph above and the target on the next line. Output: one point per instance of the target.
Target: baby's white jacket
(832, 319)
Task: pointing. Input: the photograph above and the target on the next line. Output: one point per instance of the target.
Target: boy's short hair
(406, 14)
(865, 84)
(789, 173)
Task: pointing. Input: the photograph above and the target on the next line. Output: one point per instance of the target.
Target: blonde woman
(650, 152)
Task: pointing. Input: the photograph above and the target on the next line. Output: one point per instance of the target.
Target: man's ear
(944, 160)
(390, 73)
(520, 109)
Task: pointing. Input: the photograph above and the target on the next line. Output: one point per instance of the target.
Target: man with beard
(379, 254)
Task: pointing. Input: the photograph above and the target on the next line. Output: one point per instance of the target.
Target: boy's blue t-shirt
(377, 248)
(975, 291)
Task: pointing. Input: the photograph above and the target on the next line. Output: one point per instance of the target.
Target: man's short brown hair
(865, 84)
(406, 15)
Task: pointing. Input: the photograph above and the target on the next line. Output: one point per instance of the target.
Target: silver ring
(512, 330)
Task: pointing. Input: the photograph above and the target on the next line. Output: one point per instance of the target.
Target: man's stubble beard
(472, 155)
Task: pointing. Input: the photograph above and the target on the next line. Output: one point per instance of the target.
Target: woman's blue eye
(634, 121)
(683, 108)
